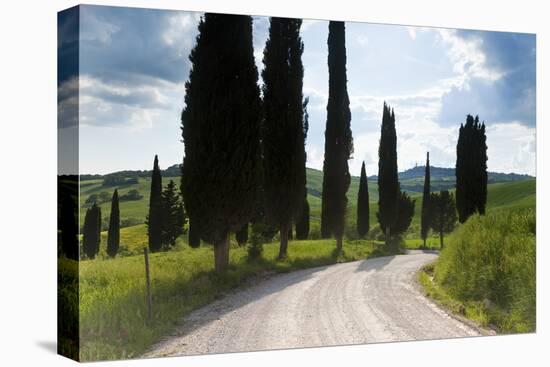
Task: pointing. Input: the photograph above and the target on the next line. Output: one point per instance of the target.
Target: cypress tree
(242, 235)
(194, 235)
(405, 214)
(444, 213)
(363, 204)
(220, 130)
(154, 218)
(388, 184)
(302, 224)
(425, 218)
(92, 231)
(471, 169)
(338, 139)
(283, 132)
(68, 225)
(113, 235)
(173, 216)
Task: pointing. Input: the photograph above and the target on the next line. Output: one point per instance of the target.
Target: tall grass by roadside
(113, 312)
(489, 266)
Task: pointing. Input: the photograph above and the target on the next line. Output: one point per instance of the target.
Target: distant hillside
(171, 171)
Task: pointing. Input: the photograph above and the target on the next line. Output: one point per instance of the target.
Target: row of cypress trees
(231, 134)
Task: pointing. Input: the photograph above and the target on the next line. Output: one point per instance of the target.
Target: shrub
(491, 260)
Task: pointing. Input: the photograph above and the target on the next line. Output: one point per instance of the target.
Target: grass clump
(489, 268)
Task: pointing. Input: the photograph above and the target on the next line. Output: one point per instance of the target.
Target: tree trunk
(284, 241)
(388, 237)
(424, 246)
(339, 245)
(441, 239)
(221, 254)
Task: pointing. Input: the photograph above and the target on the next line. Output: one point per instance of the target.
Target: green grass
(112, 291)
(489, 266)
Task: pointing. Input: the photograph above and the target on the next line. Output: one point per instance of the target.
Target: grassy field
(112, 292)
(487, 271)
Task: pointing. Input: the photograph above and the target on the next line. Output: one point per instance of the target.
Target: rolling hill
(504, 191)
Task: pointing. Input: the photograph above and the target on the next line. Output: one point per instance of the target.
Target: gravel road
(367, 301)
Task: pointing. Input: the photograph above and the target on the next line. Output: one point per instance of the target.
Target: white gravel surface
(367, 301)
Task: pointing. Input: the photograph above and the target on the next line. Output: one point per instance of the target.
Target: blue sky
(133, 66)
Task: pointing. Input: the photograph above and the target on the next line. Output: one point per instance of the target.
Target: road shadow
(374, 264)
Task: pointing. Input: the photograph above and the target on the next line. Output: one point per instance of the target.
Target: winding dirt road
(367, 301)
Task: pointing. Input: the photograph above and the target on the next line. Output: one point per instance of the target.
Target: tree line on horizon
(244, 168)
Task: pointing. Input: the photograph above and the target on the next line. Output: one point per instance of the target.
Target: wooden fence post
(148, 285)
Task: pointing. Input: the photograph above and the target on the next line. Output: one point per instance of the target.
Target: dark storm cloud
(509, 98)
(67, 67)
(128, 44)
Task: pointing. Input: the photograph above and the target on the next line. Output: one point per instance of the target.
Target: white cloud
(467, 56)
(181, 30)
(511, 148)
(97, 29)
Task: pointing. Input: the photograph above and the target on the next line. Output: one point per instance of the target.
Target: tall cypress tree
(242, 235)
(91, 232)
(471, 169)
(113, 235)
(425, 218)
(283, 133)
(154, 218)
(338, 139)
(194, 238)
(363, 204)
(302, 223)
(67, 223)
(220, 130)
(388, 184)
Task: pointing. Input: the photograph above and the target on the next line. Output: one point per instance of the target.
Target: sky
(134, 64)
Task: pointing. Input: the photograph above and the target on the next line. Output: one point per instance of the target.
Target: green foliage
(443, 213)
(131, 195)
(113, 237)
(242, 235)
(302, 223)
(68, 330)
(91, 234)
(388, 184)
(221, 130)
(492, 260)
(173, 216)
(194, 235)
(155, 216)
(283, 139)
(363, 206)
(338, 138)
(116, 180)
(471, 169)
(405, 214)
(67, 216)
(426, 215)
